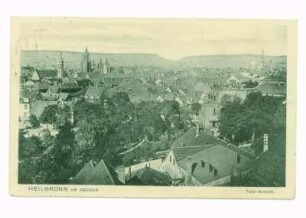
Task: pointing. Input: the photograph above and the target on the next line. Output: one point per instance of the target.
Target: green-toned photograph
(152, 102)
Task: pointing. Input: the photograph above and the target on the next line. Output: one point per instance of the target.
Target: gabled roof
(272, 89)
(268, 170)
(190, 139)
(46, 73)
(70, 86)
(94, 175)
(54, 88)
(182, 152)
(84, 175)
(221, 159)
(101, 175)
(149, 176)
(41, 86)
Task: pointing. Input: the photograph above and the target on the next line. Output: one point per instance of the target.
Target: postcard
(153, 108)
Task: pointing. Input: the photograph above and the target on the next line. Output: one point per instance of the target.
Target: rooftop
(149, 176)
(92, 174)
(190, 139)
(212, 162)
(272, 89)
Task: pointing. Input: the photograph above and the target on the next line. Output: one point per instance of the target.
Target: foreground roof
(94, 175)
(211, 162)
(189, 139)
(149, 176)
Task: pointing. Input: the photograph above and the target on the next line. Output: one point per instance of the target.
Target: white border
(27, 207)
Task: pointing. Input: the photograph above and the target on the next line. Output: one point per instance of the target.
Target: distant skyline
(169, 38)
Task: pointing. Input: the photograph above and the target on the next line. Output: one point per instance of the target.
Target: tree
(49, 114)
(225, 99)
(195, 108)
(34, 121)
(239, 119)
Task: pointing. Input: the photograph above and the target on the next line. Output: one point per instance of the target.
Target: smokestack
(266, 142)
(189, 171)
(120, 170)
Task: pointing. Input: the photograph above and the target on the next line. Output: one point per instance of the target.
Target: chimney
(266, 142)
(120, 170)
(189, 171)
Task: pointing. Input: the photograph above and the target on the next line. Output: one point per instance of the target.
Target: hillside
(224, 61)
(48, 59)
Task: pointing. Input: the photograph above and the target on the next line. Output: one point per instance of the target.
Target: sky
(169, 38)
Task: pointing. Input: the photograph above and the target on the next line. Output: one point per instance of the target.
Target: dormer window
(215, 172)
(210, 168)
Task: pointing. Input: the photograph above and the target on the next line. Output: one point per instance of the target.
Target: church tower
(107, 65)
(86, 64)
(100, 66)
(60, 67)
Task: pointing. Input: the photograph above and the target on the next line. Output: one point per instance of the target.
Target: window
(210, 168)
(215, 172)
(238, 158)
(202, 163)
(214, 111)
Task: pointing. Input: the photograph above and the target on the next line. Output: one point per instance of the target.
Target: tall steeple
(107, 66)
(60, 67)
(86, 64)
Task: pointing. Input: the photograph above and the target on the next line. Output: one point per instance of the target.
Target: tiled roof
(182, 152)
(41, 86)
(70, 86)
(220, 158)
(149, 176)
(84, 175)
(269, 170)
(46, 73)
(94, 175)
(190, 139)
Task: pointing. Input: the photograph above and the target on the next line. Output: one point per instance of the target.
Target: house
(94, 174)
(24, 109)
(70, 87)
(24, 103)
(44, 74)
(93, 94)
(41, 86)
(209, 117)
(206, 165)
(38, 107)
